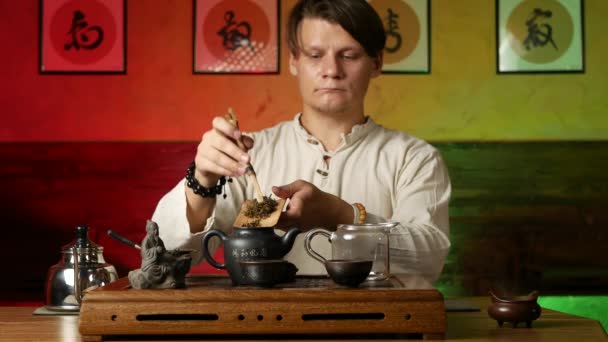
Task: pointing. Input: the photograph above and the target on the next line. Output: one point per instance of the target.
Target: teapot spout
(288, 239)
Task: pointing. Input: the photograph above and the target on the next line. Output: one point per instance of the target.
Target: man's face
(332, 68)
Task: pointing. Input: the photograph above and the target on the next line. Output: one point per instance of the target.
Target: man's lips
(329, 89)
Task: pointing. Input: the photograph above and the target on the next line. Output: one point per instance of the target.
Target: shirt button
(322, 173)
(313, 141)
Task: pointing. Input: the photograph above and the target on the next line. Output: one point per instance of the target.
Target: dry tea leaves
(259, 214)
(260, 210)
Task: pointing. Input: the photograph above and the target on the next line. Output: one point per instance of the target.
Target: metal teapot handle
(308, 246)
(77, 288)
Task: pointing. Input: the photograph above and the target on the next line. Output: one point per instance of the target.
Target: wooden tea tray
(210, 305)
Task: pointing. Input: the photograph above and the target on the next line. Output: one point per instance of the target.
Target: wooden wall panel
(523, 215)
(50, 188)
(527, 215)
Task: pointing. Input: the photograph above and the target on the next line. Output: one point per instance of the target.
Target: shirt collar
(358, 132)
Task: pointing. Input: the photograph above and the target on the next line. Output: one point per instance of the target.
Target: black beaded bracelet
(200, 190)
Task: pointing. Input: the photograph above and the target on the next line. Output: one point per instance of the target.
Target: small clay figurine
(160, 269)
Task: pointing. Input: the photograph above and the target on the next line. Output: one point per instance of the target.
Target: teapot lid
(368, 227)
(81, 241)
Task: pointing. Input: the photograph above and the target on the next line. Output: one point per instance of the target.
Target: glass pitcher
(369, 241)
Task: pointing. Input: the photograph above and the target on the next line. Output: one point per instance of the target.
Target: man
(334, 163)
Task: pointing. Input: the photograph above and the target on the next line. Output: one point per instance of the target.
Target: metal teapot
(81, 268)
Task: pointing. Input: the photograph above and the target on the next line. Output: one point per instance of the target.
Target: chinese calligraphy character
(79, 36)
(391, 32)
(235, 35)
(539, 35)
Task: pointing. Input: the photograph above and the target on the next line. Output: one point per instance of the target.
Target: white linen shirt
(395, 176)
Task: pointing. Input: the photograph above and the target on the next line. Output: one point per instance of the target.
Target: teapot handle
(77, 288)
(308, 246)
(208, 235)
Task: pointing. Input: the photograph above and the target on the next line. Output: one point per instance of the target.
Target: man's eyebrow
(318, 47)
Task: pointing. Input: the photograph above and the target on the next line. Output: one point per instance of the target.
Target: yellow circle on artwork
(540, 31)
(402, 28)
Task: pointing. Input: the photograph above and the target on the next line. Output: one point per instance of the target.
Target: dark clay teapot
(248, 244)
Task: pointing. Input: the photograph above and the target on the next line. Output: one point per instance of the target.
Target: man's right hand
(218, 153)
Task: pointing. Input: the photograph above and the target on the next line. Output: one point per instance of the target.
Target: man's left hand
(310, 207)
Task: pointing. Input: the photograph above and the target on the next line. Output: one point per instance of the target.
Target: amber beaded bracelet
(362, 214)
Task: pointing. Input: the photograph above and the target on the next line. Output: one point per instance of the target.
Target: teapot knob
(82, 237)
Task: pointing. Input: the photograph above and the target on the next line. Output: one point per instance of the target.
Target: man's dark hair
(356, 17)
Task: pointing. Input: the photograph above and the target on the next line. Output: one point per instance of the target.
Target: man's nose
(332, 67)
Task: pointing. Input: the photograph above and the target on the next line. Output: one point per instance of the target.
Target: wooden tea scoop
(242, 220)
(249, 172)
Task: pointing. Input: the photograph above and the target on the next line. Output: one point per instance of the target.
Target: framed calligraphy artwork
(79, 36)
(236, 37)
(540, 36)
(407, 26)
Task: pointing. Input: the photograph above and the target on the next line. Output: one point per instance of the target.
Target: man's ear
(378, 62)
(292, 64)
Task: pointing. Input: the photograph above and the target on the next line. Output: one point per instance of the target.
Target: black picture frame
(218, 31)
(532, 39)
(408, 27)
(77, 37)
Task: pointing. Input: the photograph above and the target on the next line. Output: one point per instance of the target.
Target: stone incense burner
(515, 309)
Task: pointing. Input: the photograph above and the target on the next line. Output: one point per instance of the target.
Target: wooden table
(17, 324)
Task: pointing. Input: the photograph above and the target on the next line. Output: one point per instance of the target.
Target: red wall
(158, 99)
